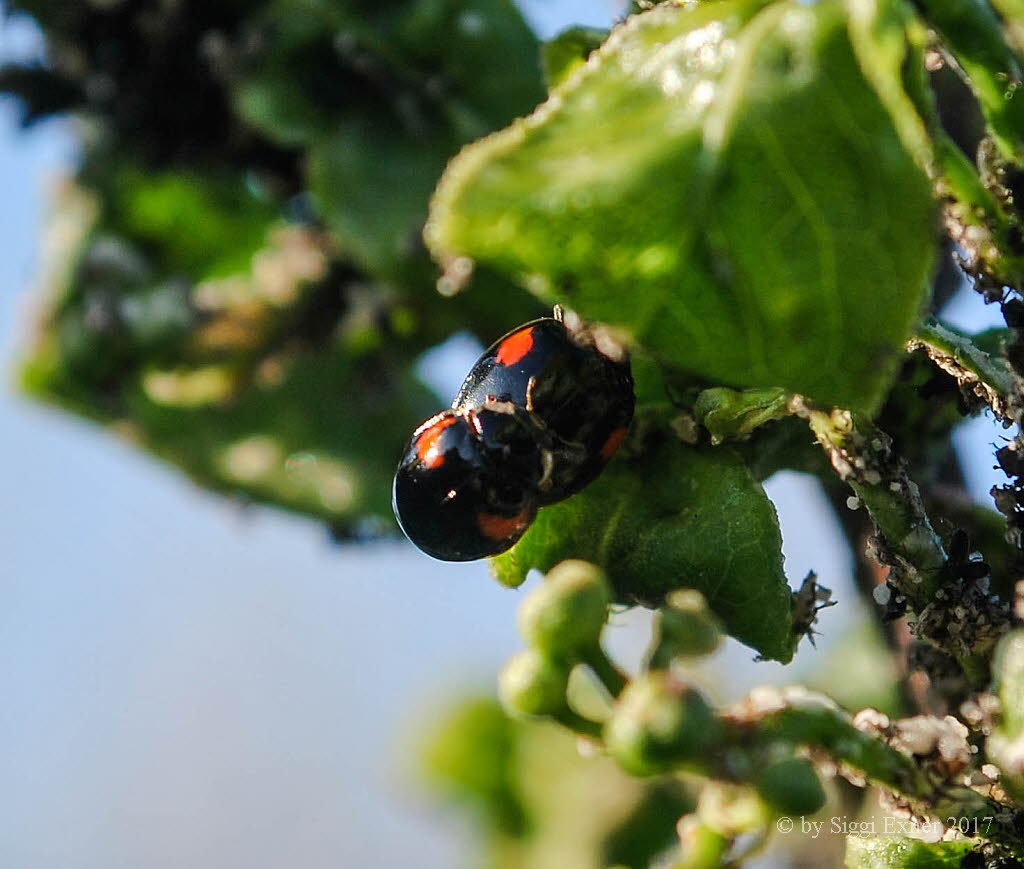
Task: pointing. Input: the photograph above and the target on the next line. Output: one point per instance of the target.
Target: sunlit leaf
(724, 183)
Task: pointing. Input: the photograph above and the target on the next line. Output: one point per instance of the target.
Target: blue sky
(188, 684)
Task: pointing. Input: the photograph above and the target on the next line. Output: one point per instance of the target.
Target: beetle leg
(531, 385)
(548, 465)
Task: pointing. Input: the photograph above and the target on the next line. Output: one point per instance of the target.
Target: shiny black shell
(582, 397)
(466, 485)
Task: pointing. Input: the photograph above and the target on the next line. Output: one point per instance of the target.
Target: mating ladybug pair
(537, 419)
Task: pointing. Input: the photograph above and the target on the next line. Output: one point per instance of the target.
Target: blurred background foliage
(538, 804)
(237, 280)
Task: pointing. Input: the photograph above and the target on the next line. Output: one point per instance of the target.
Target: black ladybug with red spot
(538, 417)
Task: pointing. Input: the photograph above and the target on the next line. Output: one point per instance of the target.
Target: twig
(987, 377)
(955, 613)
(975, 37)
(868, 574)
(920, 760)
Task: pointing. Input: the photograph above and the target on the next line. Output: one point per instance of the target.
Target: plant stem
(868, 573)
(811, 720)
(975, 37)
(860, 454)
(613, 679)
(954, 614)
(976, 220)
(1012, 12)
(703, 848)
(571, 719)
(990, 378)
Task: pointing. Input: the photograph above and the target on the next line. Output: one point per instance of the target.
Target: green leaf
(723, 183)
(486, 57)
(727, 413)
(676, 518)
(372, 189)
(568, 51)
(282, 443)
(896, 852)
(889, 41)
(294, 81)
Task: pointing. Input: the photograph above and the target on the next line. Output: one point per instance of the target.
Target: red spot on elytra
(502, 527)
(612, 444)
(515, 347)
(427, 450)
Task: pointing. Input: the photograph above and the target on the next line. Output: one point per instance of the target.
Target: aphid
(959, 564)
(1010, 461)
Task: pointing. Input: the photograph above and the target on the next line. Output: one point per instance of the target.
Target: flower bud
(532, 684)
(731, 809)
(791, 787)
(684, 627)
(659, 723)
(564, 616)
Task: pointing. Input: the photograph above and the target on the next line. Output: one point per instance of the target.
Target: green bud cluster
(660, 723)
(532, 684)
(564, 617)
(561, 621)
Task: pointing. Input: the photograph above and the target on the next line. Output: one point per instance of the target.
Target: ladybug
(538, 417)
(466, 486)
(582, 394)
